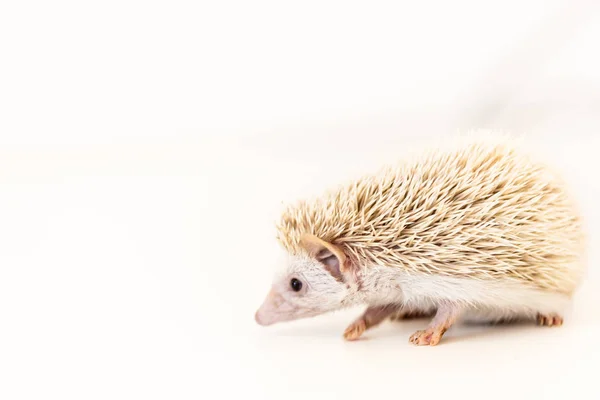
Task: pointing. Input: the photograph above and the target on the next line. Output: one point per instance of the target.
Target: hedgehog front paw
(355, 330)
(427, 337)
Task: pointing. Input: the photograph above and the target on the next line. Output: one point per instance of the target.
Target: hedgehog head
(317, 279)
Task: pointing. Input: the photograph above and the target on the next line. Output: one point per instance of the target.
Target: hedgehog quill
(478, 232)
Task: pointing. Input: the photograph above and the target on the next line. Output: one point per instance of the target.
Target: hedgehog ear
(332, 257)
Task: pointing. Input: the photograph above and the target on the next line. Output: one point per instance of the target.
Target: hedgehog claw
(549, 320)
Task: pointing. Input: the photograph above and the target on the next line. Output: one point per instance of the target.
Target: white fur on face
(320, 292)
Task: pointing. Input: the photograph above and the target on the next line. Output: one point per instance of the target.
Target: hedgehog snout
(258, 319)
(270, 310)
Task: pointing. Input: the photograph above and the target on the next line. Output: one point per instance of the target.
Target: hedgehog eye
(296, 285)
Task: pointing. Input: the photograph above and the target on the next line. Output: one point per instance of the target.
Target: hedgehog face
(313, 282)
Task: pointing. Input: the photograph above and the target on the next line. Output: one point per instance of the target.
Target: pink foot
(355, 330)
(445, 316)
(428, 337)
(549, 320)
(372, 316)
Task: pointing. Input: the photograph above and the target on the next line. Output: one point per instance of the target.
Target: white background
(146, 148)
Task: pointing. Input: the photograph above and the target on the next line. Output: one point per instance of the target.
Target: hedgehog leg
(407, 314)
(372, 316)
(445, 316)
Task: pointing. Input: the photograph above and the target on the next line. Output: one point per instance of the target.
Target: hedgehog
(480, 231)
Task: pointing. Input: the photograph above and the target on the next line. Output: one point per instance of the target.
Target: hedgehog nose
(257, 318)
(266, 312)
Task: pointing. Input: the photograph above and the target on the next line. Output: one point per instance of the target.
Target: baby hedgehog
(477, 232)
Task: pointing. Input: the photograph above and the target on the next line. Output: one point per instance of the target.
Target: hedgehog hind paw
(549, 319)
